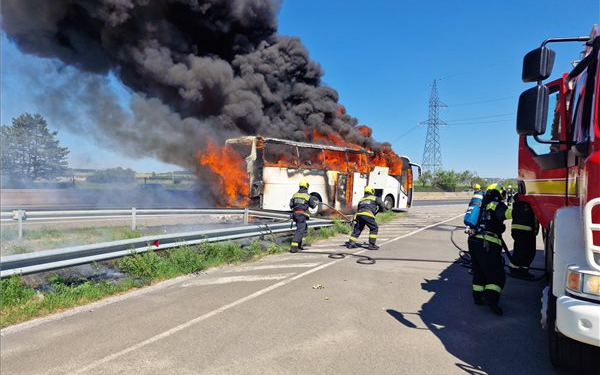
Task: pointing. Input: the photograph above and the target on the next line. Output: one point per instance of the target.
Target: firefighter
(477, 189)
(368, 207)
(524, 230)
(485, 247)
(510, 193)
(300, 203)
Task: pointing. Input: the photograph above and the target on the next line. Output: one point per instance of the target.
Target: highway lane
(303, 314)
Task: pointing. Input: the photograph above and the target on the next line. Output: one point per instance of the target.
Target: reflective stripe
(494, 287)
(372, 236)
(353, 238)
(508, 213)
(522, 227)
(366, 213)
(294, 243)
(480, 196)
(489, 239)
(369, 198)
(491, 206)
(301, 195)
(477, 288)
(511, 265)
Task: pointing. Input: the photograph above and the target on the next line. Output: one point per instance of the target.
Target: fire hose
(466, 256)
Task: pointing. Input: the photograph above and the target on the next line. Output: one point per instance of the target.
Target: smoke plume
(198, 68)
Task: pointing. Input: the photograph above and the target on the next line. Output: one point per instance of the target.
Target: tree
(425, 178)
(446, 180)
(113, 175)
(30, 151)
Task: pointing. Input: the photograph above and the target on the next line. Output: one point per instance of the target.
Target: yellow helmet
(477, 186)
(304, 183)
(497, 187)
(369, 189)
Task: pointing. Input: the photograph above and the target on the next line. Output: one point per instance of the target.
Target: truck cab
(559, 175)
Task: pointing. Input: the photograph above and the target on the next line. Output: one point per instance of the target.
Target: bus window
(335, 160)
(311, 158)
(278, 155)
(242, 149)
(358, 162)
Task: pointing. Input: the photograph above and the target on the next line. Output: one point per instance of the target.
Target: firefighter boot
(351, 245)
(372, 246)
(295, 247)
(478, 298)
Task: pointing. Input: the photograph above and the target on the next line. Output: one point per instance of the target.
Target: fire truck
(559, 175)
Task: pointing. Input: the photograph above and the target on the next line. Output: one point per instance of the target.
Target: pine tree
(30, 151)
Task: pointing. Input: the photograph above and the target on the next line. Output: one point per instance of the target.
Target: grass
(20, 302)
(50, 238)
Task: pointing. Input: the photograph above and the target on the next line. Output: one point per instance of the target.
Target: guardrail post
(20, 215)
(133, 223)
(246, 214)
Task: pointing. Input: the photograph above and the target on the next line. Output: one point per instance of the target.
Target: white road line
(272, 266)
(420, 230)
(236, 279)
(224, 308)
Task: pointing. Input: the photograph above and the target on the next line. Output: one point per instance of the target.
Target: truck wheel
(564, 351)
(388, 202)
(318, 208)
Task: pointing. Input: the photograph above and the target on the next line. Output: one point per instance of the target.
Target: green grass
(388, 216)
(20, 302)
(50, 238)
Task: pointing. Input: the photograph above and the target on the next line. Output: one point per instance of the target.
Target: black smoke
(198, 68)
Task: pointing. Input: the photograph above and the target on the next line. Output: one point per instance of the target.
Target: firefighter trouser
(361, 221)
(524, 248)
(488, 271)
(301, 227)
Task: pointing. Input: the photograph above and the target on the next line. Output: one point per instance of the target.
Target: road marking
(272, 266)
(224, 308)
(235, 279)
(420, 230)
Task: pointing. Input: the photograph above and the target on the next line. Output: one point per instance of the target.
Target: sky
(382, 57)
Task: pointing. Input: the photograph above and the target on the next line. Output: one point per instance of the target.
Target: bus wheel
(388, 202)
(318, 208)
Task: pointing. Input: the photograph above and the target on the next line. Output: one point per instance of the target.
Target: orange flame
(229, 180)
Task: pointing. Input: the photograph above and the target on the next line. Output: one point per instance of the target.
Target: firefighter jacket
(370, 205)
(301, 201)
(523, 217)
(491, 224)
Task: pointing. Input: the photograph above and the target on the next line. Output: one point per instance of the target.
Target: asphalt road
(304, 313)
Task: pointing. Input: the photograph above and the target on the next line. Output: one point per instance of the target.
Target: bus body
(559, 175)
(337, 175)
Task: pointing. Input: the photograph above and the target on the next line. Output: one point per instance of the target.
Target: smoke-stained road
(303, 314)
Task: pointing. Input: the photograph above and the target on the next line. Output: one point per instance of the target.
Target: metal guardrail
(23, 216)
(28, 263)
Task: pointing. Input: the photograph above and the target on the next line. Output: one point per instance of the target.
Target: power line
(482, 117)
(482, 101)
(479, 122)
(415, 127)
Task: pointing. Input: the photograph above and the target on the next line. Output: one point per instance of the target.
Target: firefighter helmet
(304, 183)
(477, 186)
(497, 189)
(369, 189)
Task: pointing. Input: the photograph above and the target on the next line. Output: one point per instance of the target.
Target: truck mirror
(537, 64)
(532, 113)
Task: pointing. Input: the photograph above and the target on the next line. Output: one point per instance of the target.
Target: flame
(365, 130)
(228, 179)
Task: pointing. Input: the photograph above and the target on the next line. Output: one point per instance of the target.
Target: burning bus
(337, 175)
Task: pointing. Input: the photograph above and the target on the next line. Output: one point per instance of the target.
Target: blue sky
(382, 57)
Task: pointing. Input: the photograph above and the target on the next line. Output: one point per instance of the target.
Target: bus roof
(252, 138)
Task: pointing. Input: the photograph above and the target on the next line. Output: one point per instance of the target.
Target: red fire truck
(559, 175)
